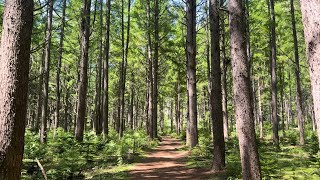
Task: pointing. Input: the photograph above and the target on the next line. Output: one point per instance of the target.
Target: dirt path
(166, 162)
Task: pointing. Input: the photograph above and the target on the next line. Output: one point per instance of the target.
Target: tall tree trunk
(105, 121)
(275, 121)
(216, 90)
(40, 101)
(60, 51)
(150, 76)
(155, 68)
(242, 93)
(297, 74)
(123, 71)
(45, 90)
(224, 80)
(191, 52)
(97, 121)
(311, 21)
(83, 79)
(14, 68)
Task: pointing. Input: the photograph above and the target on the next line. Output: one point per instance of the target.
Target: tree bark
(216, 90)
(83, 79)
(191, 52)
(224, 81)
(46, 71)
(155, 68)
(150, 76)
(275, 121)
(311, 21)
(14, 68)
(105, 121)
(97, 121)
(297, 74)
(242, 93)
(60, 51)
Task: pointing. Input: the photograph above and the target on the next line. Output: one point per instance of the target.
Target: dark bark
(155, 69)
(297, 74)
(242, 93)
(46, 72)
(83, 78)
(191, 52)
(311, 21)
(274, 110)
(14, 68)
(98, 103)
(216, 90)
(105, 118)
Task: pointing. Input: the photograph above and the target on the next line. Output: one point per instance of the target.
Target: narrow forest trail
(166, 162)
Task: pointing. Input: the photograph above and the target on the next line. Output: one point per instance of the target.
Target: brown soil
(166, 162)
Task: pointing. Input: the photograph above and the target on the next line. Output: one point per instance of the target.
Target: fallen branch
(42, 169)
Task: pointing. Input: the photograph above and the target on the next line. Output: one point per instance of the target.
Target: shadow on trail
(167, 162)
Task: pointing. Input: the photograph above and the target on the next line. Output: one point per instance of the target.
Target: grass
(288, 162)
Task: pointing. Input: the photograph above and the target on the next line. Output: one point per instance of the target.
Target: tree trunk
(224, 81)
(105, 121)
(60, 51)
(191, 52)
(45, 90)
(242, 93)
(311, 21)
(297, 74)
(274, 116)
(83, 79)
(14, 68)
(97, 120)
(216, 90)
(150, 76)
(155, 69)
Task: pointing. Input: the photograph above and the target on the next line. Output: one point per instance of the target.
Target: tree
(105, 127)
(98, 102)
(311, 21)
(242, 93)
(14, 68)
(150, 122)
(191, 52)
(83, 75)
(216, 90)
(275, 122)
(297, 74)
(155, 69)
(46, 72)
(58, 88)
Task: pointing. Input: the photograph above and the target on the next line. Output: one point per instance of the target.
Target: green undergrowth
(291, 161)
(64, 158)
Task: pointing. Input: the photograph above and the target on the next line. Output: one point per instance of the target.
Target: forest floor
(167, 161)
